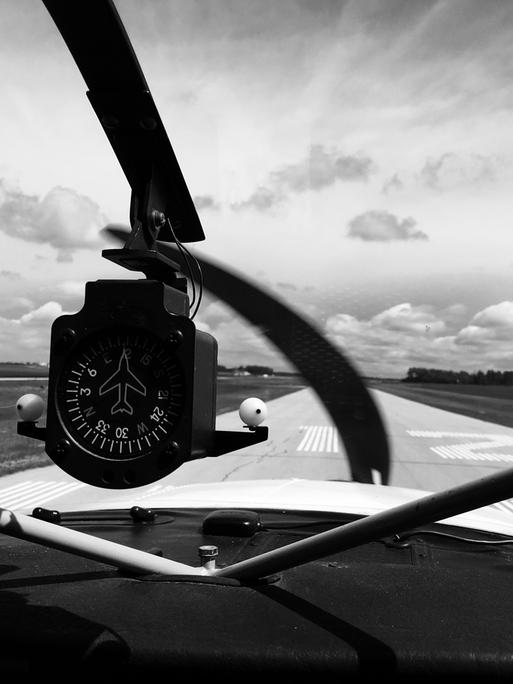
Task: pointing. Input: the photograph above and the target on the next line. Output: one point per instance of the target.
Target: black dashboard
(423, 607)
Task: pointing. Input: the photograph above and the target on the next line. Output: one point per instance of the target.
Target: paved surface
(434, 449)
(431, 450)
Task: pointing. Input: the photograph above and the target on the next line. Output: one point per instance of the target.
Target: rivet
(176, 338)
(61, 448)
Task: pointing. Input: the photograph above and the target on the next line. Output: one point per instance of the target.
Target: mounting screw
(172, 448)
(109, 121)
(148, 123)
(169, 457)
(208, 555)
(65, 340)
(158, 218)
(61, 448)
(175, 337)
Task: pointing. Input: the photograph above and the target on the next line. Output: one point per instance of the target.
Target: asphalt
(431, 450)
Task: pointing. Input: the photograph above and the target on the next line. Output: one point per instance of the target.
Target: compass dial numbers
(121, 394)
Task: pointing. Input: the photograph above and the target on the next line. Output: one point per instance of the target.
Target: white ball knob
(30, 407)
(252, 411)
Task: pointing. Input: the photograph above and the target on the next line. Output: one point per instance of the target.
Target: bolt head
(176, 338)
(148, 123)
(208, 551)
(66, 338)
(172, 448)
(109, 121)
(61, 448)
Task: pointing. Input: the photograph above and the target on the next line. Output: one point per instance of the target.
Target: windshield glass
(352, 160)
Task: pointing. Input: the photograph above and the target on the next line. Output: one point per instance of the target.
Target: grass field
(20, 453)
(22, 370)
(493, 403)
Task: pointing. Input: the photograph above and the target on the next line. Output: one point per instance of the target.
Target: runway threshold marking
(470, 451)
(473, 451)
(35, 493)
(319, 438)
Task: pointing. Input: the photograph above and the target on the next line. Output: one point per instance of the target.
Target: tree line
(489, 377)
(251, 369)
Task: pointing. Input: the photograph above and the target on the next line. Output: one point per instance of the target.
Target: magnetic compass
(132, 386)
(121, 393)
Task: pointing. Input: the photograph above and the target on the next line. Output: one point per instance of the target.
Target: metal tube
(88, 546)
(428, 509)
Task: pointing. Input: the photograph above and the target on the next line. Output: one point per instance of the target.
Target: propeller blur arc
(323, 366)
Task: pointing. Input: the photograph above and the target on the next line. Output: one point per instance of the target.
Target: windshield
(352, 160)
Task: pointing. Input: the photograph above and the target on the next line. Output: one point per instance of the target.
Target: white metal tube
(89, 546)
(428, 509)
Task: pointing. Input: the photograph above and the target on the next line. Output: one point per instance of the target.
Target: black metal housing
(150, 306)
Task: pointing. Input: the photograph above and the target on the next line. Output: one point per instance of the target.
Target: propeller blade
(324, 367)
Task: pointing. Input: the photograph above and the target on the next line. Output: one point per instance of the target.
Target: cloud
(261, 200)
(407, 318)
(71, 288)
(494, 324)
(239, 342)
(27, 338)
(407, 335)
(46, 313)
(287, 286)
(389, 342)
(382, 226)
(10, 275)
(452, 170)
(214, 314)
(14, 307)
(496, 316)
(62, 218)
(404, 318)
(205, 202)
(393, 183)
(320, 169)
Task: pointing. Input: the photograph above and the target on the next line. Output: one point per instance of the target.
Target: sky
(353, 157)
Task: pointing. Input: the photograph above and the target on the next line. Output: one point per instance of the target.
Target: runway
(431, 450)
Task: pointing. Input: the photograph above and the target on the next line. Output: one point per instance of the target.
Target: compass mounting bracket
(140, 252)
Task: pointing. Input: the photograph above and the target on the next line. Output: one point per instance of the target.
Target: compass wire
(200, 280)
(185, 258)
(188, 259)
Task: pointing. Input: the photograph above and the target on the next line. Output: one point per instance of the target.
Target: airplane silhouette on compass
(122, 380)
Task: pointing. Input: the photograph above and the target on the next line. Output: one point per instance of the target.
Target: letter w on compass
(123, 380)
